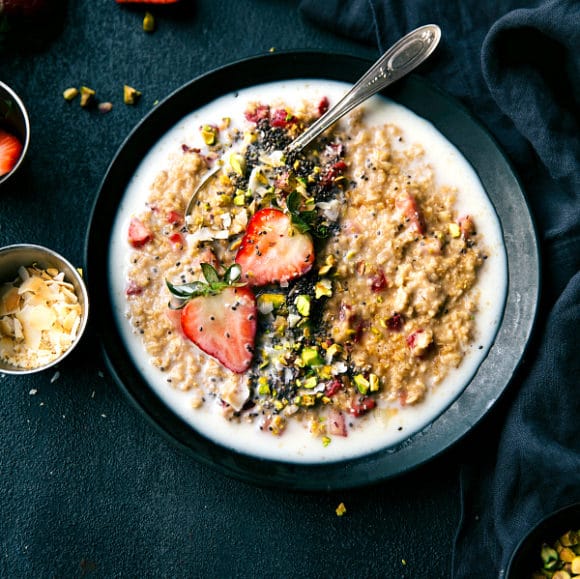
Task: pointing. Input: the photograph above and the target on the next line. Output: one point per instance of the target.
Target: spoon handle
(403, 57)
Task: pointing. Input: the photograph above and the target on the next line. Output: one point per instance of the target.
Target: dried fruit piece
(105, 107)
(139, 235)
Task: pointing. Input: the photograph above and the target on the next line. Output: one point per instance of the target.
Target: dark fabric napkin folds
(516, 66)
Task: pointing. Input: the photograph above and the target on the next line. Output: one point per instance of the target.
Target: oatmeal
(360, 270)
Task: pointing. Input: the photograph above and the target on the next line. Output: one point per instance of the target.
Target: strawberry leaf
(210, 274)
(213, 285)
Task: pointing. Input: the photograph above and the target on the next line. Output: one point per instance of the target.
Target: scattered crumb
(33, 392)
(340, 510)
(55, 377)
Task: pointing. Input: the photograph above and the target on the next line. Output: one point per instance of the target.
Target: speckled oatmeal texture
(399, 271)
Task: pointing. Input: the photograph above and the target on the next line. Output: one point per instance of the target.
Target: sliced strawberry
(223, 325)
(408, 207)
(175, 218)
(139, 235)
(336, 423)
(10, 150)
(361, 405)
(272, 250)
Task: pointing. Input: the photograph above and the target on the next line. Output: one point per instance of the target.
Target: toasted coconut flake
(39, 317)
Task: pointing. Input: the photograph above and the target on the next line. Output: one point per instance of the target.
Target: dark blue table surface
(87, 487)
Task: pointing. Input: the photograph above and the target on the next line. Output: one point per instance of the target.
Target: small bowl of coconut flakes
(43, 308)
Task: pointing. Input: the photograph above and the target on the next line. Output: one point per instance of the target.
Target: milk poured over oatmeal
(410, 303)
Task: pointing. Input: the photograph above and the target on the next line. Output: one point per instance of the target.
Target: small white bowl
(14, 117)
(13, 257)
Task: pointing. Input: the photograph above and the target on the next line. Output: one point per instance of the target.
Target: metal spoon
(399, 60)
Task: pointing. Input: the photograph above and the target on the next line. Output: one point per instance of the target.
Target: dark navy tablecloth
(87, 488)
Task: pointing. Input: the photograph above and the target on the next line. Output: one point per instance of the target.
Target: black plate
(502, 186)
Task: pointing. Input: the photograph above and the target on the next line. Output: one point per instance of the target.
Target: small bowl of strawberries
(14, 132)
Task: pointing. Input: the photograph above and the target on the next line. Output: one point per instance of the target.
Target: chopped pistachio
(329, 262)
(310, 383)
(310, 356)
(333, 350)
(70, 93)
(148, 22)
(549, 557)
(302, 303)
(269, 302)
(454, 230)
(130, 95)
(361, 383)
(326, 440)
(87, 95)
(209, 134)
(374, 382)
(238, 163)
(307, 400)
(240, 198)
(322, 288)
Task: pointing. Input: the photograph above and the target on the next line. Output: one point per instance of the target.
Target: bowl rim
(80, 285)
(26, 118)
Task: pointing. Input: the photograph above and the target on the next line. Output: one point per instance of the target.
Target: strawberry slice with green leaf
(273, 249)
(219, 316)
(10, 151)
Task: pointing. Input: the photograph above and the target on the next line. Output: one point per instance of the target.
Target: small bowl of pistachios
(43, 308)
(14, 132)
(551, 550)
